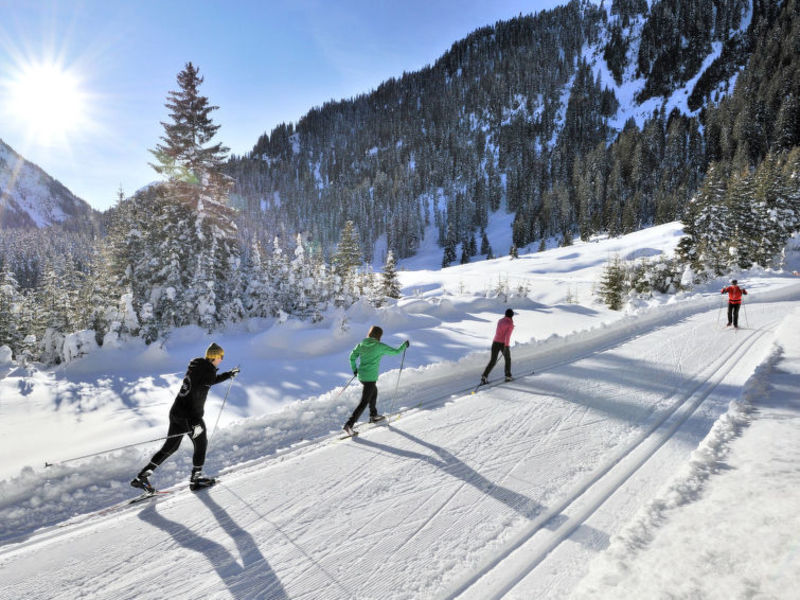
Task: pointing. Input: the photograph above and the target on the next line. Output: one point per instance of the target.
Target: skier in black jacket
(186, 417)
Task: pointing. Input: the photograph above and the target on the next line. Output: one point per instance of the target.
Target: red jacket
(734, 294)
(504, 328)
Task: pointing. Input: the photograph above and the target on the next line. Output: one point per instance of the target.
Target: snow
(641, 454)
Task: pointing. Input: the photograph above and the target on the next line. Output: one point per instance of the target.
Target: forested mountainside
(30, 198)
(589, 117)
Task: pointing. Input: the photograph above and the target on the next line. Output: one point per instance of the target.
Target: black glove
(355, 372)
(234, 372)
(407, 343)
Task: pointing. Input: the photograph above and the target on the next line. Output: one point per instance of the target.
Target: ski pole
(746, 323)
(397, 385)
(61, 462)
(223, 406)
(346, 385)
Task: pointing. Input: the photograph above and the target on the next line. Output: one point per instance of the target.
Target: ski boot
(198, 482)
(142, 482)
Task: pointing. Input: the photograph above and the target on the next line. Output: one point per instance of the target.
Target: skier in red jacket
(501, 343)
(734, 302)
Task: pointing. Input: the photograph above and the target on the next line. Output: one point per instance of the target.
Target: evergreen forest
(516, 117)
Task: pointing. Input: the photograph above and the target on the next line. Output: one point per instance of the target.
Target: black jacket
(191, 399)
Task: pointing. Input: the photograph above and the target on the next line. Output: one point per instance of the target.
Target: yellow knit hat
(214, 351)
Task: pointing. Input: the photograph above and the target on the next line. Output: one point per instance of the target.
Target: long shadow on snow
(254, 578)
(630, 374)
(526, 507)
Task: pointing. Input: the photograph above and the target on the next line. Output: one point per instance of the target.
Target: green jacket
(370, 352)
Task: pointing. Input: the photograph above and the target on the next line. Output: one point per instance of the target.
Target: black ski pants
(369, 397)
(733, 314)
(497, 348)
(178, 426)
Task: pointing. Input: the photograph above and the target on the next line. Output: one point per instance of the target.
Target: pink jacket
(504, 328)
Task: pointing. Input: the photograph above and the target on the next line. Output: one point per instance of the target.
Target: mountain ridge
(31, 198)
(513, 115)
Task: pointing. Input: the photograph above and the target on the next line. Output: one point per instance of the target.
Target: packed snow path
(508, 492)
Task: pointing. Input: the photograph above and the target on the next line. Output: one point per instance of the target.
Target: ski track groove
(525, 425)
(726, 361)
(557, 426)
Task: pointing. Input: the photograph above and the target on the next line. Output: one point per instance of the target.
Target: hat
(214, 351)
(734, 282)
(509, 313)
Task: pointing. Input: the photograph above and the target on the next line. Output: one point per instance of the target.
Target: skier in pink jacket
(501, 343)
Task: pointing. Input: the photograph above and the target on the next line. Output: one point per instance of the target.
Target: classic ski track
(456, 492)
(528, 424)
(441, 393)
(689, 400)
(441, 397)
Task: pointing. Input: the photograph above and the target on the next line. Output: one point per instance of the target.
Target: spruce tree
(185, 154)
(348, 253)
(10, 307)
(612, 284)
(201, 253)
(390, 286)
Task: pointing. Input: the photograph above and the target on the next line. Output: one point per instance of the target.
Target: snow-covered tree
(10, 306)
(348, 253)
(612, 286)
(390, 286)
(175, 245)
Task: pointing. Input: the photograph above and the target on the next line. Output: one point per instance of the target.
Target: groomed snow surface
(646, 454)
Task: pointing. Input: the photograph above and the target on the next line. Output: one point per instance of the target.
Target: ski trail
(592, 492)
(470, 496)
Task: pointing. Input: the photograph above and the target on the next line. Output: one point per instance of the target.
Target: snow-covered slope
(29, 197)
(612, 431)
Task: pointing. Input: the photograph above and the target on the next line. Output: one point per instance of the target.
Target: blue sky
(264, 62)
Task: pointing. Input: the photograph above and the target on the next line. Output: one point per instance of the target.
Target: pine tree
(449, 254)
(486, 247)
(10, 306)
(191, 230)
(185, 154)
(390, 286)
(612, 284)
(257, 297)
(348, 253)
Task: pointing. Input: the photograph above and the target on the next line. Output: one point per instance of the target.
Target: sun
(47, 100)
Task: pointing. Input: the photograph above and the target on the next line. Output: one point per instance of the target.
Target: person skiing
(500, 343)
(186, 417)
(734, 302)
(368, 353)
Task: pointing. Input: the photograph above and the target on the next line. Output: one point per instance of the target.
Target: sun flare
(47, 100)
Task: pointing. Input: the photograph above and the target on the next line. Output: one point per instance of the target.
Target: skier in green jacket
(369, 353)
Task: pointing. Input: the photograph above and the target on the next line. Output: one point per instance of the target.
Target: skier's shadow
(253, 578)
(525, 506)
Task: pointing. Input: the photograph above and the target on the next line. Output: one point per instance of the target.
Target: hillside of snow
(29, 197)
(621, 437)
